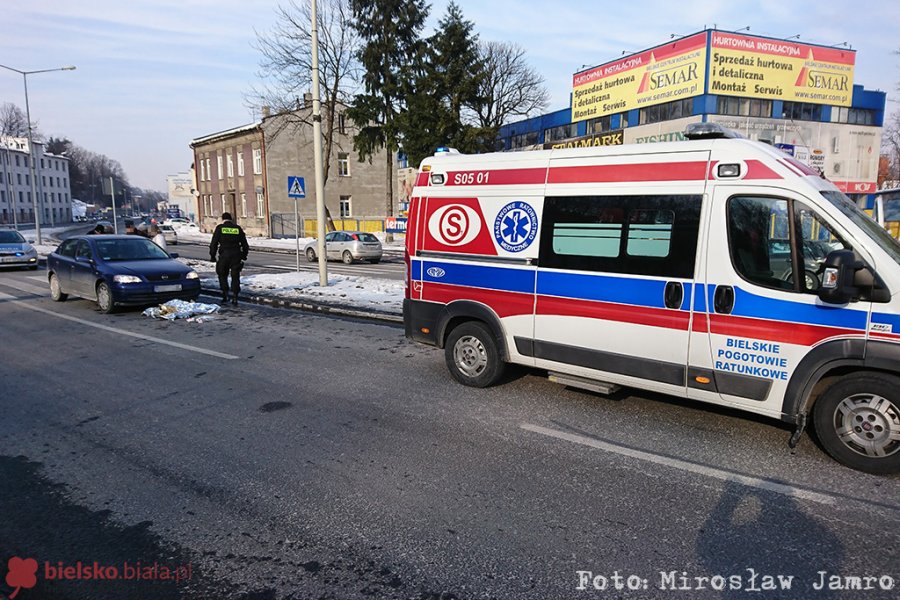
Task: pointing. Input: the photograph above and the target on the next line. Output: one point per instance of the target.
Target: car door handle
(674, 294)
(723, 301)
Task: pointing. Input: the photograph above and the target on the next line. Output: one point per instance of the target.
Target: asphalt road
(279, 454)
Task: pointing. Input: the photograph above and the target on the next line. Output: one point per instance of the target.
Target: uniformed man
(230, 242)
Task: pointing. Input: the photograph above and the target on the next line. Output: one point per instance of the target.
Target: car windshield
(366, 237)
(872, 229)
(11, 237)
(135, 248)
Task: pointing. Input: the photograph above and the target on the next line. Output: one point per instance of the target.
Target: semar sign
(754, 67)
(665, 73)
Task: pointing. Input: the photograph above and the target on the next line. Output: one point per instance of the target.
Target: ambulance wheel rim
(868, 424)
(471, 356)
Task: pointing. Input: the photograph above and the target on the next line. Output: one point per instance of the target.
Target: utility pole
(317, 150)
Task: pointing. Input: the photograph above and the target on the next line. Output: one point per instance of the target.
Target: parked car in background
(15, 251)
(347, 246)
(176, 221)
(119, 270)
(169, 233)
(107, 226)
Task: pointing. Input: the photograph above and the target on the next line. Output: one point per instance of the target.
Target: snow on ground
(358, 292)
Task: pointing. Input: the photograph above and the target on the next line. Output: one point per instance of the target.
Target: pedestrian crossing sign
(296, 187)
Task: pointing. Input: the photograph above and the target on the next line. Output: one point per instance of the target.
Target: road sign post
(296, 190)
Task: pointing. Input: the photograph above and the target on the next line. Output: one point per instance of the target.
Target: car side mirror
(173, 254)
(846, 278)
(30, 241)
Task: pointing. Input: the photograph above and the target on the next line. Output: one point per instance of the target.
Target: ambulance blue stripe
(480, 276)
(699, 297)
(602, 288)
(893, 320)
(750, 305)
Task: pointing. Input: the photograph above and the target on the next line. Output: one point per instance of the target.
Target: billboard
(754, 67)
(665, 73)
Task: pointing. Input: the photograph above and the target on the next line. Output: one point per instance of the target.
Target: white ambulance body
(667, 267)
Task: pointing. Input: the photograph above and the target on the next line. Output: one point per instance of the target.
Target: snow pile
(357, 292)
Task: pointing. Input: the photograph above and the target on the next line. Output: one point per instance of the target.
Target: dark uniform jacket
(229, 240)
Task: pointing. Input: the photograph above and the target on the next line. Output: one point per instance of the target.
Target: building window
(852, 116)
(220, 174)
(343, 164)
(260, 206)
(230, 165)
(257, 161)
(523, 140)
(240, 164)
(243, 205)
(342, 124)
(666, 112)
(561, 132)
(202, 171)
(44, 180)
(224, 210)
(802, 111)
(744, 107)
(345, 207)
(208, 171)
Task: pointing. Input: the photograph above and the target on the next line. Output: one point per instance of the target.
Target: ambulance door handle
(723, 301)
(674, 294)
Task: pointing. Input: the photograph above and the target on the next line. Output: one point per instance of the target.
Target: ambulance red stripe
(628, 173)
(776, 331)
(607, 311)
(505, 304)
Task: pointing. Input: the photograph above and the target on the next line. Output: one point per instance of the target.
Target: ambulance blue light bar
(444, 150)
(709, 131)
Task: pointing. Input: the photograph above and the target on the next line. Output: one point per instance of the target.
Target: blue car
(119, 270)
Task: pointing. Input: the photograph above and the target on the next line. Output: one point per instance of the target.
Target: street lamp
(34, 200)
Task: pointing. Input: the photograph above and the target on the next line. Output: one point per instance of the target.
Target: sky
(154, 74)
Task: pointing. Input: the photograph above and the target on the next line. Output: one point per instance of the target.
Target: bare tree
(890, 146)
(510, 87)
(14, 123)
(286, 68)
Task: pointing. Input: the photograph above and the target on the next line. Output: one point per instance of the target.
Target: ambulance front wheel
(857, 420)
(472, 355)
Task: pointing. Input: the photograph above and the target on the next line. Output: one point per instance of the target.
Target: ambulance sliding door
(615, 282)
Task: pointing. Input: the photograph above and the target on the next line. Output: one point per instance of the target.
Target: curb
(328, 309)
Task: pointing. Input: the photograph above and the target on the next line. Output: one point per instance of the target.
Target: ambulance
(717, 269)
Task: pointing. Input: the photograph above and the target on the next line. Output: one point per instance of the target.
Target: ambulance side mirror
(846, 278)
(839, 277)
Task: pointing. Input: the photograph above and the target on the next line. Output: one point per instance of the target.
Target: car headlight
(192, 275)
(126, 279)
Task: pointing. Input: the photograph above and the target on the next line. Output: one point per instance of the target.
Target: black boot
(234, 300)
(224, 298)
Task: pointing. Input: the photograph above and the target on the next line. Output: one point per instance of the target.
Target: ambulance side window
(640, 235)
(762, 235)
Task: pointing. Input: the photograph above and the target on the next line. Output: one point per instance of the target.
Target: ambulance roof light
(444, 150)
(709, 131)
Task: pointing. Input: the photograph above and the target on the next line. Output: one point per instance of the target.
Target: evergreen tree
(390, 34)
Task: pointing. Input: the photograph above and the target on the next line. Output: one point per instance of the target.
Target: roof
(225, 134)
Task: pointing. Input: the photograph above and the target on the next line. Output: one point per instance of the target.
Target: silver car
(16, 252)
(347, 246)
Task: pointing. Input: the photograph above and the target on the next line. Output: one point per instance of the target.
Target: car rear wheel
(347, 257)
(311, 255)
(104, 298)
(857, 420)
(472, 356)
(56, 292)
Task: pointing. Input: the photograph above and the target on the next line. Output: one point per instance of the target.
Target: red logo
(22, 574)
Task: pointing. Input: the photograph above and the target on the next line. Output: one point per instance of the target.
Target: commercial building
(181, 194)
(800, 97)
(52, 185)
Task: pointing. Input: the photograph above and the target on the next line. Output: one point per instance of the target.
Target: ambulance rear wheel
(857, 420)
(472, 356)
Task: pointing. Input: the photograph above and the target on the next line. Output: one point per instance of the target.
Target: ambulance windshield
(876, 232)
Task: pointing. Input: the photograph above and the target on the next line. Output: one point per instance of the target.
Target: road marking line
(27, 287)
(763, 484)
(124, 332)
